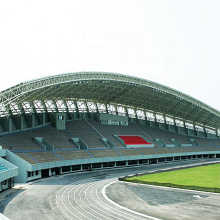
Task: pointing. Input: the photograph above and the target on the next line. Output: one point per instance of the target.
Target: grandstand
(80, 121)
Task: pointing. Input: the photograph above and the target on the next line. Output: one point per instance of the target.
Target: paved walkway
(90, 195)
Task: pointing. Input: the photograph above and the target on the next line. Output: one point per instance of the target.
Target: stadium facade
(72, 122)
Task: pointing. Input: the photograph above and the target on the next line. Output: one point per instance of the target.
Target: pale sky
(172, 42)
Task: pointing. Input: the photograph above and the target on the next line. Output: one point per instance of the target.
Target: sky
(171, 42)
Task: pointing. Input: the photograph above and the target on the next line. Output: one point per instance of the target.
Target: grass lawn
(204, 176)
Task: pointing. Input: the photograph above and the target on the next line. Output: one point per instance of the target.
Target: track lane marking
(57, 202)
(104, 205)
(117, 209)
(116, 204)
(80, 197)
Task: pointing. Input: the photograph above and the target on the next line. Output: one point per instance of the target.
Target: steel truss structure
(110, 93)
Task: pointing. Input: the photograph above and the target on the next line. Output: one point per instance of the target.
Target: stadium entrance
(45, 173)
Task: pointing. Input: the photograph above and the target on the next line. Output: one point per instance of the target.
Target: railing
(192, 187)
(199, 188)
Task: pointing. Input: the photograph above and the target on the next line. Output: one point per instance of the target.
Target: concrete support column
(178, 129)
(216, 132)
(106, 108)
(159, 125)
(32, 120)
(115, 165)
(101, 165)
(138, 162)
(187, 131)
(207, 135)
(50, 173)
(22, 123)
(40, 173)
(8, 124)
(81, 167)
(44, 119)
(196, 132)
(61, 171)
(126, 163)
(205, 132)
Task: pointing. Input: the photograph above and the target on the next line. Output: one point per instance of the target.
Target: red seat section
(133, 140)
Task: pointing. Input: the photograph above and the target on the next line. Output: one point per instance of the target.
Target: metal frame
(107, 89)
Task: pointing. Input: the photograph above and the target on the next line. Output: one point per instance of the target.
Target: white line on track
(100, 211)
(89, 202)
(116, 204)
(86, 199)
(80, 195)
(103, 205)
(59, 207)
(69, 203)
(123, 214)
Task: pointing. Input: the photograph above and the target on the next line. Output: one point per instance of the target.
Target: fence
(199, 188)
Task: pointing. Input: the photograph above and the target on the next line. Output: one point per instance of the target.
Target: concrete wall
(22, 165)
(59, 120)
(10, 173)
(33, 175)
(111, 119)
(2, 152)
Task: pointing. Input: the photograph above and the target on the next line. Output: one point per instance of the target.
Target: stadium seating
(133, 140)
(207, 142)
(60, 139)
(145, 132)
(104, 153)
(21, 141)
(163, 150)
(185, 149)
(129, 152)
(43, 156)
(216, 142)
(26, 157)
(23, 145)
(81, 129)
(73, 154)
(5, 145)
(210, 148)
(107, 132)
(148, 151)
(163, 135)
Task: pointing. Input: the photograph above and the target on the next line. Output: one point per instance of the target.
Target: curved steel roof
(111, 88)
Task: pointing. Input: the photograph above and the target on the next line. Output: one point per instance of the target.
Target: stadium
(87, 121)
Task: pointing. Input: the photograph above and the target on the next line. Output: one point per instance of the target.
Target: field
(203, 176)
